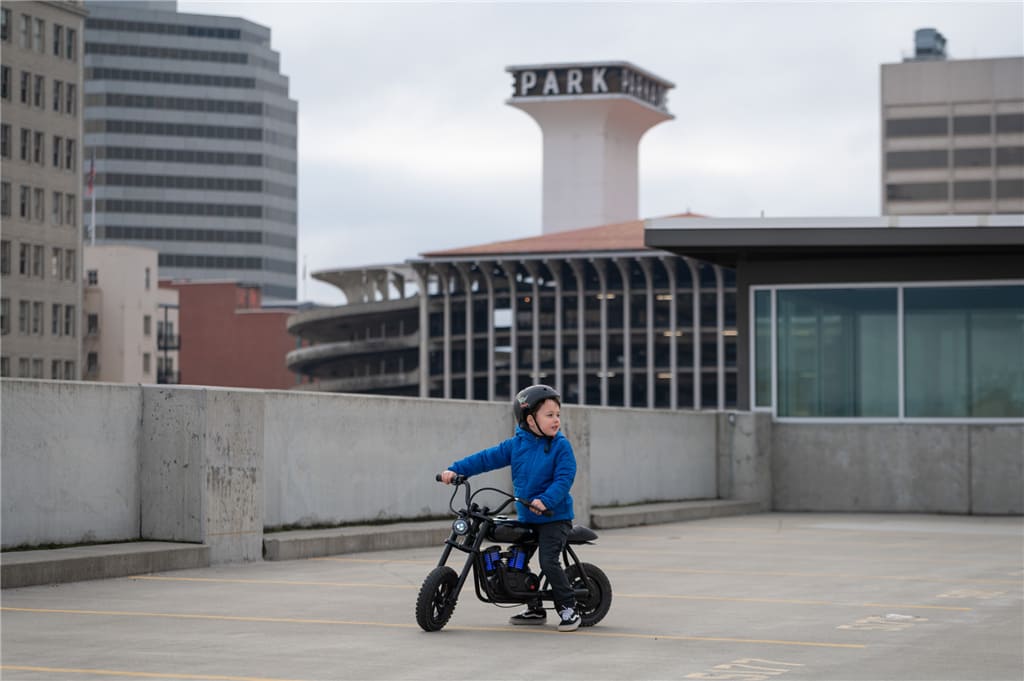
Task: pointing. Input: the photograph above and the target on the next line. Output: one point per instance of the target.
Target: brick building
(229, 339)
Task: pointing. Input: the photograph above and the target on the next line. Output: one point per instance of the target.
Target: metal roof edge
(871, 222)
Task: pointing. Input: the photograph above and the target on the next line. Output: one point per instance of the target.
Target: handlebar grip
(458, 480)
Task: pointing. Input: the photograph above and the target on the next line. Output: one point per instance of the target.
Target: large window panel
(964, 351)
(837, 353)
(762, 349)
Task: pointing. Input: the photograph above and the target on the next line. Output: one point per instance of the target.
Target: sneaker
(529, 616)
(570, 620)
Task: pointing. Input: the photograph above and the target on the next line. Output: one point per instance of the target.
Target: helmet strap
(538, 432)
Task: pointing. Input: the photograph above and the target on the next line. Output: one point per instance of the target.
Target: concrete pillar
(444, 279)
(720, 337)
(602, 278)
(578, 270)
(695, 297)
(423, 281)
(555, 269)
(511, 268)
(669, 263)
(533, 268)
(627, 333)
(487, 270)
(645, 265)
(201, 469)
(467, 282)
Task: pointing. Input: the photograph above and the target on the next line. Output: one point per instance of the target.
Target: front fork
(471, 552)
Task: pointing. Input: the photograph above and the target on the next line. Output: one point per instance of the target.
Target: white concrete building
(123, 314)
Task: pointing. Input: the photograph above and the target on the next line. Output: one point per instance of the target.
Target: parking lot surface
(748, 598)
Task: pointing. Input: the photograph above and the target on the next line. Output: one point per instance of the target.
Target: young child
(543, 470)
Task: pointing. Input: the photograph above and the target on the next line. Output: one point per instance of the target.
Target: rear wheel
(436, 602)
(594, 606)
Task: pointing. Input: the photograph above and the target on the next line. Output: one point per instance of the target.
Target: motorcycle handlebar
(459, 479)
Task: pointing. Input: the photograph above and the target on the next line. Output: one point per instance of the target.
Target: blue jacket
(536, 473)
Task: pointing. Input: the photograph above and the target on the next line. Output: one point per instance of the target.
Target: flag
(92, 173)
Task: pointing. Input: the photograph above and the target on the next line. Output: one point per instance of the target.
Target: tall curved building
(194, 140)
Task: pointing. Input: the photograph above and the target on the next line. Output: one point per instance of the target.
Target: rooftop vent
(929, 44)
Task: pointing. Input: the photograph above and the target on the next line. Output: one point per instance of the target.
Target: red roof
(621, 236)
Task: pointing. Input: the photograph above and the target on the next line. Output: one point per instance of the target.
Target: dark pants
(551, 538)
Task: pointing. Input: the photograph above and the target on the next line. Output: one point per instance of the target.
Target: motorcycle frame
(480, 524)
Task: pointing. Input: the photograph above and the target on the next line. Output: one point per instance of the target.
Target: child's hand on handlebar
(448, 476)
(538, 507)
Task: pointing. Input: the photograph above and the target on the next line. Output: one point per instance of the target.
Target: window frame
(901, 397)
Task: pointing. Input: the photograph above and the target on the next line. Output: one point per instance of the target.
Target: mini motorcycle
(503, 577)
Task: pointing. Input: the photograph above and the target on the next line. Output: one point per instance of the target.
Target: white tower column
(592, 117)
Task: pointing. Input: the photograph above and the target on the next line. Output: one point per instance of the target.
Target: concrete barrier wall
(920, 468)
(639, 455)
(331, 459)
(105, 462)
(69, 462)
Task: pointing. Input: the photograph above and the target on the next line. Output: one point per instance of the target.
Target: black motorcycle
(503, 577)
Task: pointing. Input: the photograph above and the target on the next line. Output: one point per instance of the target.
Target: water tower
(592, 116)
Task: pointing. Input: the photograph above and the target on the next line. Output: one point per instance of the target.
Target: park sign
(589, 80)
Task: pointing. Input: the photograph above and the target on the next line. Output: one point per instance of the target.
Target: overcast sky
(406, 144)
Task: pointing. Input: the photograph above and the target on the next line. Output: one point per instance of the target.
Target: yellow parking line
(340, 559)
(787, 601)
(282, 582)
(825, 575)
(783, 601)
(668, 553)
(742, 573)
(393, 625)
(137, 675)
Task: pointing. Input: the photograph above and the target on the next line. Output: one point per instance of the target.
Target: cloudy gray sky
(406, 144)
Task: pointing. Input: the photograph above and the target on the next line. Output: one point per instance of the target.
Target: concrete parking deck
(751, 598)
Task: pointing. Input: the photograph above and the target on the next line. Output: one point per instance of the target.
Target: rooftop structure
(592, 116)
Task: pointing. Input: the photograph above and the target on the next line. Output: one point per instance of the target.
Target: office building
(121, 340)
(41, 189)
(194, 139)
(952, 133)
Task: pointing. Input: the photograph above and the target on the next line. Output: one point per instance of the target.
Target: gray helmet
(530, 398)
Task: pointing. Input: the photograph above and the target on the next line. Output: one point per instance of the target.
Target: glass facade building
(915, 318)
(907, 351)
(191, 142)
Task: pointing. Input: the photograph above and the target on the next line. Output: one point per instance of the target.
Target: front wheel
(594, 606)
(436, 602)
